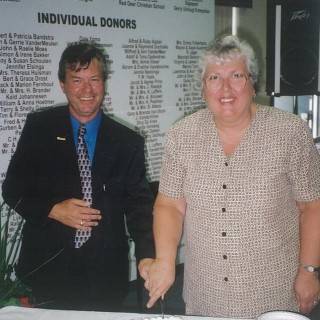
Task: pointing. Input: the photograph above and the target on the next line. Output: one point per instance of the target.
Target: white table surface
(19, 313)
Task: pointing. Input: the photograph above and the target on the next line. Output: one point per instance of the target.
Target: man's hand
(75, 213)
(159, 276)
(307, 288)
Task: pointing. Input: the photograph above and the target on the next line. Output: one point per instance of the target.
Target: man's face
(85, 91)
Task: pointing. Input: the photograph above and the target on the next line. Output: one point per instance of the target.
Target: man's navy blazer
(44, 171)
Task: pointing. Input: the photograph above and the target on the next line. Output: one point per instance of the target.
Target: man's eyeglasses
(237, 81)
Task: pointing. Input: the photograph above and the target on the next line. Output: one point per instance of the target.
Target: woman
(244, 181)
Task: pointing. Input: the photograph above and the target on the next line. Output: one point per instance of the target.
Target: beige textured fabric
(241, 224)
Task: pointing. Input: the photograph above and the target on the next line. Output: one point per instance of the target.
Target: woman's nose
(226, 84)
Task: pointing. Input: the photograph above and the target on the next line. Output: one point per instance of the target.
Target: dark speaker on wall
(293, 47)
(235, 3)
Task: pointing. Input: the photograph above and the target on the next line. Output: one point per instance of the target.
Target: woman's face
(228, 90)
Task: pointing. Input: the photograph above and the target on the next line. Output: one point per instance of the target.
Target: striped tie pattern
(84, 164)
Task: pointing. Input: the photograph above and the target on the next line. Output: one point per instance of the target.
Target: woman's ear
(203, 97)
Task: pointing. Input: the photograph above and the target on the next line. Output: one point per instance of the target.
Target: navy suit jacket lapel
(64, 131)
(66, 149)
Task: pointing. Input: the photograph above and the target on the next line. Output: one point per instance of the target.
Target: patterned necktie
(84, 164)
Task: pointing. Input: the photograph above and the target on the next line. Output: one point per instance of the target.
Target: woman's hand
(307, 289)
(307, 285)
(144, 267)
(159, 276)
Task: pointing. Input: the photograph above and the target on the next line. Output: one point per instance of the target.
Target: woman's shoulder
(276, 114)
(284, 122)
(193, 121)
(189, 129)
(279, 117)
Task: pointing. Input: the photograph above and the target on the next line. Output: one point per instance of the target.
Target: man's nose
(87, 86)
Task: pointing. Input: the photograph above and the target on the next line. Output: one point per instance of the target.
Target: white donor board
(153, 48)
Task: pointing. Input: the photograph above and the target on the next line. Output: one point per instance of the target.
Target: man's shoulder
(49, 113)
(122, 131)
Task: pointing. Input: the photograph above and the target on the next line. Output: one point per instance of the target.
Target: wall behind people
(152, 46)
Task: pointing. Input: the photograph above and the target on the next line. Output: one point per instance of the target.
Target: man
(74, 252)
